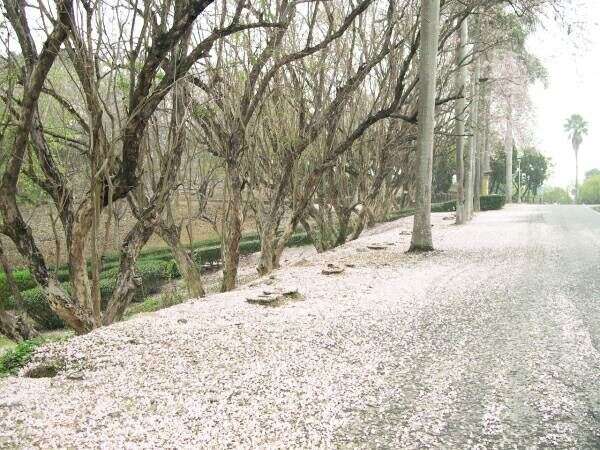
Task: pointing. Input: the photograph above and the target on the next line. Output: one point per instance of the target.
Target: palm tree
(576, 128)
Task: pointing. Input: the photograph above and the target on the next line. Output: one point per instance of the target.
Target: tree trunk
(233, 228)
(509, 157)
(343, 216)
(485, 163)
(461, 82)
(430, 29)
(15, 327)
(576, 174)
(477, 182)
(189, 271)
(267, 260)
(473, 156)
(10, 280)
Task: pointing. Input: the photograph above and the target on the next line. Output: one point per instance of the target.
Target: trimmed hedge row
(153, 273)
(492, 202)
(23, 279)
(449, 206)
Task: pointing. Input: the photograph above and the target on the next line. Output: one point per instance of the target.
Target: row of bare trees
(315, 115)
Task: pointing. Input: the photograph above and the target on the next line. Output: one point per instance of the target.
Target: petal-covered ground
(491, 341)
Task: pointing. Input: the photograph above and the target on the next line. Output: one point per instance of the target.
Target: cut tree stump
(332, 269)
(275, 296)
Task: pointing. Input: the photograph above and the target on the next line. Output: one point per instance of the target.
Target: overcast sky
(573, 64)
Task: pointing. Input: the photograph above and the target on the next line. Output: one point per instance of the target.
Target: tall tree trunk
(477, 182)
(10, 280)
(430, 30)
(233, 227)
(576, 174)
(485, 162)
(471, 178)
(461, 117)
(509, 156)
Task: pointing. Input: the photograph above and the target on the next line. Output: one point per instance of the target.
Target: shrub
(37, 306)
(23, 279)
(298, 240)
(491, 202)
(249, 247)
(395, 215)
(12, 360)
(149, 304)
(448, 206)
(171, 270)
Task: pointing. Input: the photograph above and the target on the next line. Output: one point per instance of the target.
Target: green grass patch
(13, 355)
(5, 344)
(18, 356)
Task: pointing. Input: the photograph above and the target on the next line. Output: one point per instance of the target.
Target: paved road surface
(491, 342)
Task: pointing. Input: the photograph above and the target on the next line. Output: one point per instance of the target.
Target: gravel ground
(492, 341)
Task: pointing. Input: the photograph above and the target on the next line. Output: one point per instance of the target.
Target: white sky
(573, 64)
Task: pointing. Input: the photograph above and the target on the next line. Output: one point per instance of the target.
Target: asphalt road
(492, 341)
(514, 357)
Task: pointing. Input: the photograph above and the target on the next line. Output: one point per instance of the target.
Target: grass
(13, 355)
(151, 304)
(5, 344)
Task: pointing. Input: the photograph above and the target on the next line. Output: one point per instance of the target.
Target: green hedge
(36, 304)
(23, 279)
(154, 272)
(449, 206)
(249, 244)
(12, 360)
(491, 202)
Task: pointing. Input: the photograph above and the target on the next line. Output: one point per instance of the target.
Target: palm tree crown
(576, 128)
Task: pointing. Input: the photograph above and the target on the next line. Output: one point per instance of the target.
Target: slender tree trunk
(461, 82)
(509, 156)
(485, 163)
(344, 215)
(477, 183)
(233, 228)
(10, 280)
(576, 174)
(471, 178)
(189, 271)
(430, 29)
(266, 263)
